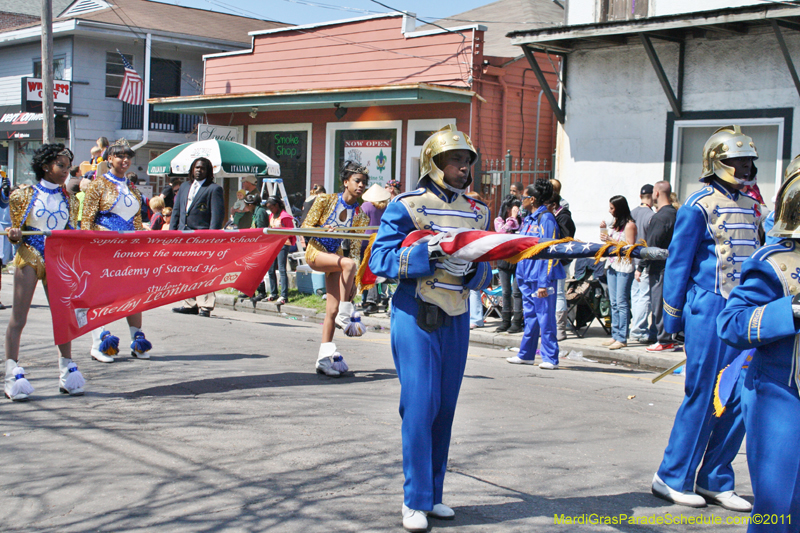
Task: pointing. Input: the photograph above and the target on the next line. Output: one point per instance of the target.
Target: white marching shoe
(726, 499)
(442, 512)
(140, 347)
(349, 320)
(665, 492)
(104, 345)
(414, 521)
(17, 388)
(329, 361)
(71, 381)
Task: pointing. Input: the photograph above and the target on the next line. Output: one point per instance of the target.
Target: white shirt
(193, 192)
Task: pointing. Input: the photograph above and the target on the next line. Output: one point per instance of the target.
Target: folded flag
(727, 378)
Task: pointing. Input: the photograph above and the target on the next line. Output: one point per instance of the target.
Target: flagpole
(318, 233)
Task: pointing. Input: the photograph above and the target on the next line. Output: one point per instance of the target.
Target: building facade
(643, 93)
(90, 38)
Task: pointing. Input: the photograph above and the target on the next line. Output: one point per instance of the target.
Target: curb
(500, 341)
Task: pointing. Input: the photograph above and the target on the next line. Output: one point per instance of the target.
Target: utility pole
(48, 111)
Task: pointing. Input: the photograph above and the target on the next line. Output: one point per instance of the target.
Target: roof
(729, 21)
(142, 15)
(410, 93)
(504, 16)
(27, 7)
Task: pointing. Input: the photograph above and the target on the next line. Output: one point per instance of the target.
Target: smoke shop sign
(207, 132)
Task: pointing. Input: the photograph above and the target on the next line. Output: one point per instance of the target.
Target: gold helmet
(444, 140)
(787, 205)
(725, 143)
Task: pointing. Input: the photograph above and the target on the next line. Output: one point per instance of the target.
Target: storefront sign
(207, 132)
(18, 124)
(32, 89)
(376, 155)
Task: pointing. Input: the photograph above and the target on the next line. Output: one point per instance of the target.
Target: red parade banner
(97, 277)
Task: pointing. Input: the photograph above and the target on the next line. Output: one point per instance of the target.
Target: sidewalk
(634, 355)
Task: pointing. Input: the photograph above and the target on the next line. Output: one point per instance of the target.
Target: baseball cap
(250, 179)
(647, 189)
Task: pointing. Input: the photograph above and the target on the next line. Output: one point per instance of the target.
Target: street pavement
(228, 428)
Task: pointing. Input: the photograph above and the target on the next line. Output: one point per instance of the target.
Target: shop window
(689, 136)
(115, 72)
(59, 68)
(23, 156)
(289, 149)
(375, 149)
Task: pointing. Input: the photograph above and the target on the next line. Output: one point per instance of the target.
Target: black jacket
(206, 212)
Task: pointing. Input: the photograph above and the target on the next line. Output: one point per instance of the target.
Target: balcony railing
(133, 118)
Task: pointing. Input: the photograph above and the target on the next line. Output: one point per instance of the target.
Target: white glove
(435, 246)
(456, 267)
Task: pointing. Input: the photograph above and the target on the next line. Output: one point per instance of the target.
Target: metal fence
(496, 176)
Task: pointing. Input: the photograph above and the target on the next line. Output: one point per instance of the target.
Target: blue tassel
(109, 344)
(140, 344)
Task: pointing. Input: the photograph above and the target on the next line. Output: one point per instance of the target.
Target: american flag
(131, 91)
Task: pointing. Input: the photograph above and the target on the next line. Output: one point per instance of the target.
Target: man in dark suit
(199, 204)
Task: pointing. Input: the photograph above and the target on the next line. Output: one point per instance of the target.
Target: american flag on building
(132, 88)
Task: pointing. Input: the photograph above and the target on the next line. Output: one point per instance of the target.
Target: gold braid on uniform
(101, 196)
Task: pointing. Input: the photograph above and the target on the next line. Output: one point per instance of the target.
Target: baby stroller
(587, 297)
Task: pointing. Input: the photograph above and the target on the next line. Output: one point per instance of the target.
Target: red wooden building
(372, 88)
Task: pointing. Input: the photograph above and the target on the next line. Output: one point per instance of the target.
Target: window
(115, 71)
(771, 135)
(623, 9)
(417, 133)
(289, 146)
(376, 145)
(59, 66)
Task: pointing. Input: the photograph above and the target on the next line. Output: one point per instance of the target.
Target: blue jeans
(280, 264)
(475, 309)
(619, 292)
(641, 325)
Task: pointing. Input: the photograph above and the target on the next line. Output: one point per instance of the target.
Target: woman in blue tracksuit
(537, 279)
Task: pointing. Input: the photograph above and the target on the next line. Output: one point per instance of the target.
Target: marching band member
(430, 322)
(45, 206)
(763, 312)
(332, 211)
(716, 230)
(113, 204)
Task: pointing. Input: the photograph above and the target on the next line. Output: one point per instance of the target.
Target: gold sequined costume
(30, 251)
(104, 206)
(321, 214)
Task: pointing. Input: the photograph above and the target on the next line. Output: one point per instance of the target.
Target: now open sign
(32, 95)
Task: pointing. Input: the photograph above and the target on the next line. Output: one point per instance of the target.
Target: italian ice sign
(375, 155)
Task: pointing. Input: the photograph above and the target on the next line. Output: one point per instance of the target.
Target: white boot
(17, 388)
(108, 349)
(346, 310)
(140, 347)
(329, 361)
(71, 381)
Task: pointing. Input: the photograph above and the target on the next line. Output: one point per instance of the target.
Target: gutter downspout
(504, 131)
(536, 144)
(146, 117)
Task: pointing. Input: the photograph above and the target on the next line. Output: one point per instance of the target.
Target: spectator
(81, 195)
(393, 186)
(199, 204)
(659, 234)
(238, 210)
(103, 144)
(168, 193)
(315, 190)
(475, 300)
(566, 227)
(509, 221)
(167, 214)
(673, 199)
(375, 201)
(250, 185)
(619, 270)
(157, 220)
(259, 214)
(97, 157)
(279, 218)
(145, 212)
(74, 180)
(642, 328)
(537, 279)
(517, 189)
(6, 250)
